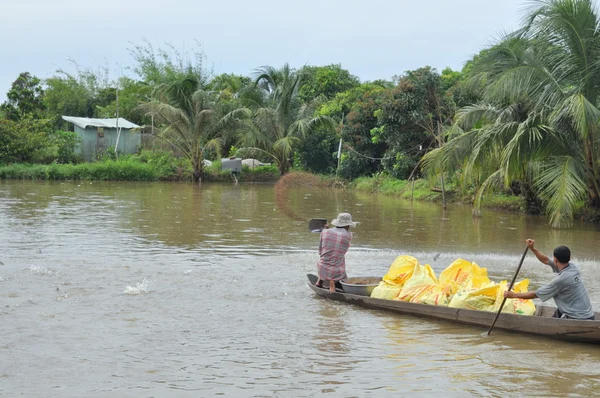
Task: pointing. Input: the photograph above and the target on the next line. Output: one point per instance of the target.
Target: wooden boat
(542, 323)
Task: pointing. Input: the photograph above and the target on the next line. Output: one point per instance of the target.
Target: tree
(326, 81)
(280, 121)
(79, 93)
(189, 118)
(23, 141)
(414, 118)
(538, 121)
(24, 97)
(132, 93)
(155, 67)
(355, 110)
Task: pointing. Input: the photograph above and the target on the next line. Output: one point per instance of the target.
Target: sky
(373, 39)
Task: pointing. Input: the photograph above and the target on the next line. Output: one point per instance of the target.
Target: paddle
(509, 288)
(317, 224)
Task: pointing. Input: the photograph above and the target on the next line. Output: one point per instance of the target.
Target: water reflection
(331, 338)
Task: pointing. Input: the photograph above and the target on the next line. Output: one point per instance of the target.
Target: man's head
(344, 220)
(562, 254)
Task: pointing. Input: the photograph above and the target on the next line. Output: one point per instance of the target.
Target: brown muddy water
(179, 290)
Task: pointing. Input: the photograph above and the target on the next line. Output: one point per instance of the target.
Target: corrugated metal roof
(83, 122)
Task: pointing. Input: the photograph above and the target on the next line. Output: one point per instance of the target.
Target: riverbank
(422, 190)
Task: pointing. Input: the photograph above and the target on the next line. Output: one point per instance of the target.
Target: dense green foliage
(537, 123)
(278, 121)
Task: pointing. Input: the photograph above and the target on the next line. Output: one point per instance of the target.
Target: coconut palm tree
(539, 118)
(279, 119)
(191, 118)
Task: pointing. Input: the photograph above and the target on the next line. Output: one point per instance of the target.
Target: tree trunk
(592, 179)
(197, 169)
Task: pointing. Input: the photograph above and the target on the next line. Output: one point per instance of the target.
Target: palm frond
(579, 111)
(561, 185)
(495, 180)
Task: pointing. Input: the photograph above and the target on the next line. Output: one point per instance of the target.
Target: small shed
(97, 135)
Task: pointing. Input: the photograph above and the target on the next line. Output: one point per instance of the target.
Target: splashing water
(140, 288)
(35, 270)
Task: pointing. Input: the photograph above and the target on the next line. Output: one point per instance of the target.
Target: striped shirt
(332, 251)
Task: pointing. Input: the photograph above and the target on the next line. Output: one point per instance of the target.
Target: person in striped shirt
(333, 246)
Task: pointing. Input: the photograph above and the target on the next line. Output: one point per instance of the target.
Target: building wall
(95, 143)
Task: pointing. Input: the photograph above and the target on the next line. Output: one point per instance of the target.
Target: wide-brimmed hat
(344, 220)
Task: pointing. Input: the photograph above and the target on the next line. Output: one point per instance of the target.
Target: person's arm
(526, 296)
(538, 254)
(321, 243)
(550, 289)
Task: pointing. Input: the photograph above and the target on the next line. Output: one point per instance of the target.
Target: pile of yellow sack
(461, 285)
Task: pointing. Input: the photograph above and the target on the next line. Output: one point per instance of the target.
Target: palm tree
(191, 118)
(538, 121)
(279, 119)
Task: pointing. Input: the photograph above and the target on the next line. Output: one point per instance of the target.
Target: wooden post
(118, 130)
(443, 192)
(412, 195)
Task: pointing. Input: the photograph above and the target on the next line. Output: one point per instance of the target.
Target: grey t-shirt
(568, 292)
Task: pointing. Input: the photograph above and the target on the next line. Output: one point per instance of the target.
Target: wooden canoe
(542, 323)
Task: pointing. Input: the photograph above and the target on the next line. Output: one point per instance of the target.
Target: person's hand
(530, 243)
(509, 294)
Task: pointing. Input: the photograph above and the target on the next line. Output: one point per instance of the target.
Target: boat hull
(542, 324)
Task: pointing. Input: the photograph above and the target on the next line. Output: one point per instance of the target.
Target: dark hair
(562, 254)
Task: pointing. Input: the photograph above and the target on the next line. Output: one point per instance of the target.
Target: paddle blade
(317, 224)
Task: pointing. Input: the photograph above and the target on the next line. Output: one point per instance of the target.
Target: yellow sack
(519, 306)
(433, 295)
(463, 275)
(483, 299)
(400, 270)
(460, 275)
(421, 282)
(490, 297)
(479, 278)
(386, 291)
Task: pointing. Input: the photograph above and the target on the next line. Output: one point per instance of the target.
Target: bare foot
(319, 283)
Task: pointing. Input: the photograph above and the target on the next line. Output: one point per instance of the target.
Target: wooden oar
(509, 288)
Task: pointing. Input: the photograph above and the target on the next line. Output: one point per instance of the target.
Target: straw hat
(344, 220)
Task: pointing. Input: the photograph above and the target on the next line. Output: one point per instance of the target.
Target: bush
(166, 165)
(66, 142)
(260, 174)
(25, 141)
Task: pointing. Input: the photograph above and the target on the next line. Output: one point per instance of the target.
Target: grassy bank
(148, 166)
(423, 191)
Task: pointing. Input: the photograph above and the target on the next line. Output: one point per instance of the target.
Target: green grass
(506, 202)
(147, 166)
(107, 170)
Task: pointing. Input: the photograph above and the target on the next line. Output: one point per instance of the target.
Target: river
(179, 290)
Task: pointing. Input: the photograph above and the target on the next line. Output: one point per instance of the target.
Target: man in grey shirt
(567, 289)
